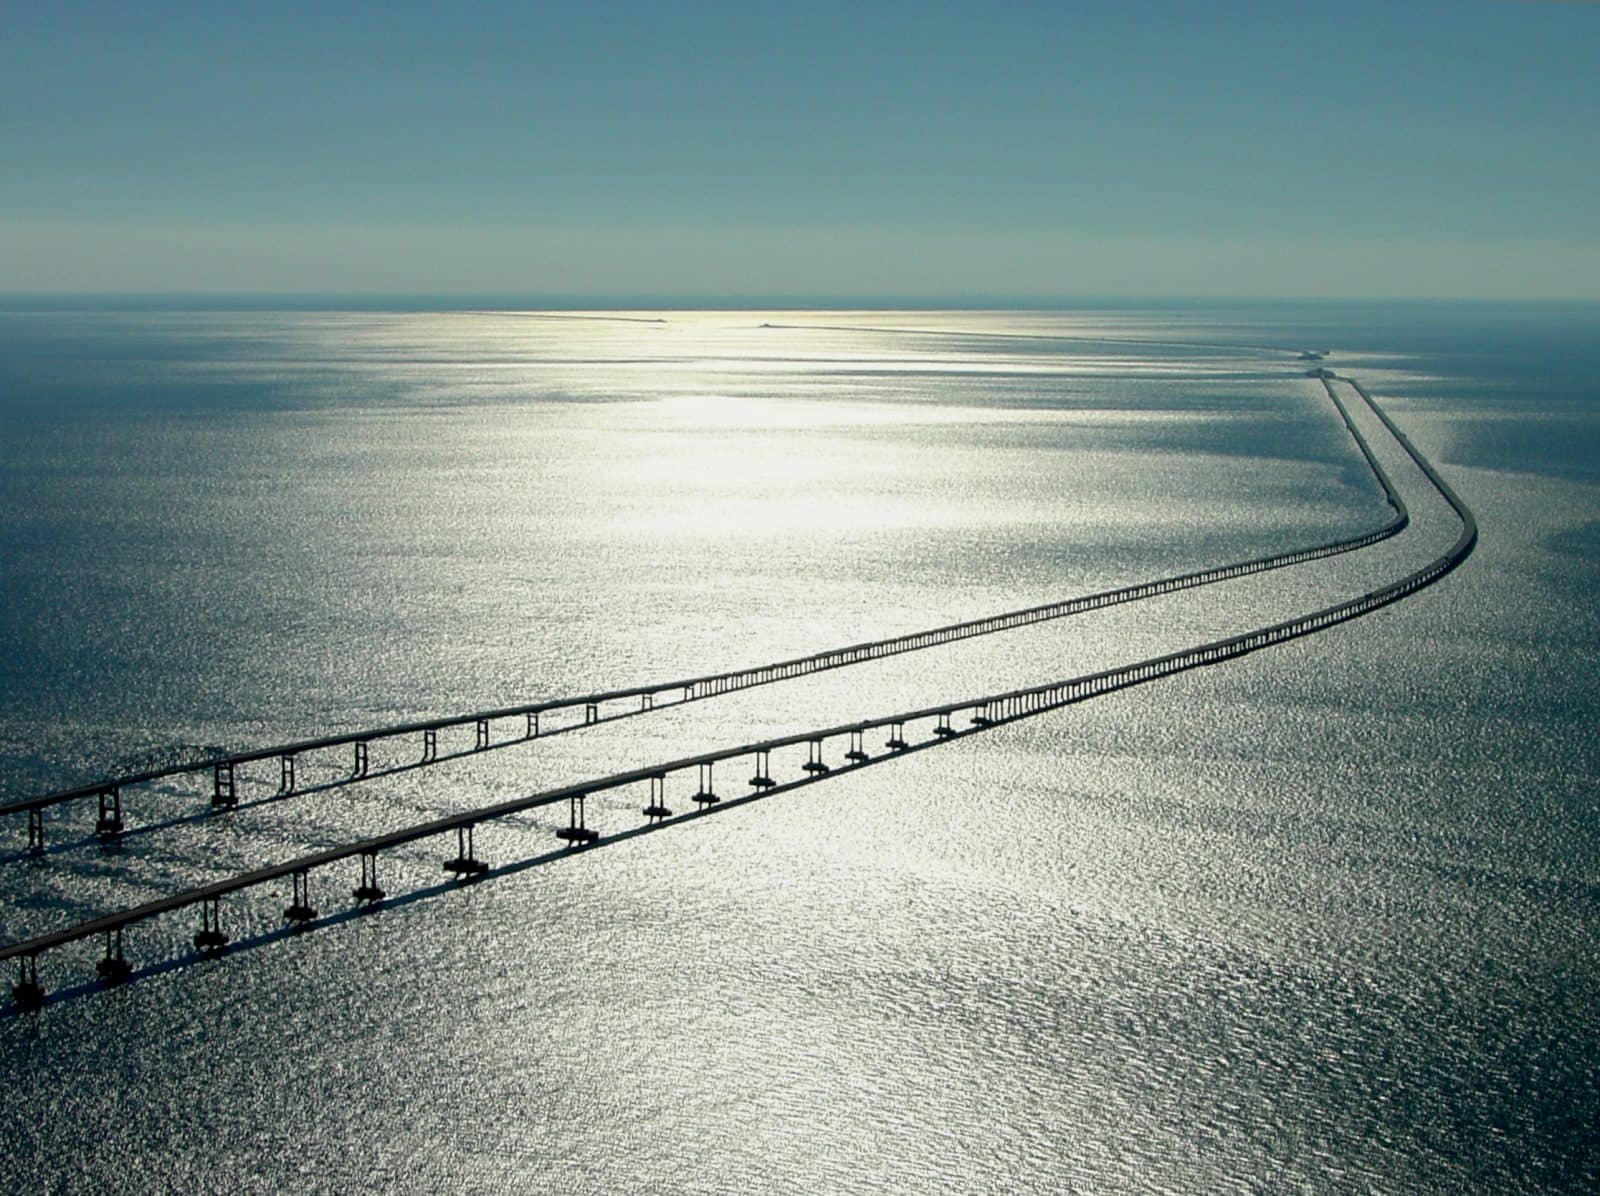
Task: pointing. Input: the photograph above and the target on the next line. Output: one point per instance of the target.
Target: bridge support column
(361, 760)
(533, 725)
(300, 911)
(223, 794)
(814, 763)
(646, 702)
(430, 745)
(591, 713)
(483, 735)
(109, 824)
(857, 754)
(27, 992)
(705, 797)
(466, 865)
(944, 730)
(368, 893)
(575, 832)
(113, 968)
(897, 738)
(763, 779)
(285, 774)
(35, 831)
(210, 940)
(981, 716)
(657, 810)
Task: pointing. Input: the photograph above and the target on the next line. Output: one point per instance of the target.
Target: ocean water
(1324, 918)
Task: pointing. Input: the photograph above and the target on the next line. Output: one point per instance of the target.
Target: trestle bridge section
(830, 750)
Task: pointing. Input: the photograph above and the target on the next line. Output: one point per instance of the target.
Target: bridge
(830, 750)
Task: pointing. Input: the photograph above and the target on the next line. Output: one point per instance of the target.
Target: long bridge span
(849, 743)
(222, 778)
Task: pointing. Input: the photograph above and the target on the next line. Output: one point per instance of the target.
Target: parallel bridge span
(592, 709)
(980, 713)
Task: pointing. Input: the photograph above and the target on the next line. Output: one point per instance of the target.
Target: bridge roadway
(981, 713)
(592, 708)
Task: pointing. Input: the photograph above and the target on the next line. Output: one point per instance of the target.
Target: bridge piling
(300, 910)
(857, 752)
(482, 740)
(113, 969)
(944, 730)
(897, 737)
(762, 778)
(285, 774)
(814, 764)
(210, 940)
(704, 796)
(466, 865)
(367, 893)
(657, 810)
(575, 832)
(361, 760)
(27, 992)
(109, 824)
(35, 832)
(223, 794)
(430, 745)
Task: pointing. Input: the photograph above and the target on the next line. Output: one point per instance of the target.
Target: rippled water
(1324, 917)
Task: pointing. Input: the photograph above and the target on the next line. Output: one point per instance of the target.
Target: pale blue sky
(1367, 149)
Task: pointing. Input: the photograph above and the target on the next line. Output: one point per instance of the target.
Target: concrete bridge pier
(815, 765)
(704, 796)
(113, 969)
(857, 752)
(575, 832)
(657, 810)
(109, 824)
(27, 992)
(224, 796)
(300, 910)
(367, 893)
(763, 777)
(210, 940)
(465, 866)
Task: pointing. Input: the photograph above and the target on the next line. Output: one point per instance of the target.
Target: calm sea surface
(1325, 918)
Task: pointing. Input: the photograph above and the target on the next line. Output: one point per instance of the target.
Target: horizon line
(735, 301)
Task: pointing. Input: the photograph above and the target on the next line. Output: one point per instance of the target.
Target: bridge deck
(986, 712)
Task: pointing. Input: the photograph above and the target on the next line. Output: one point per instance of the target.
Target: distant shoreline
(489, 302)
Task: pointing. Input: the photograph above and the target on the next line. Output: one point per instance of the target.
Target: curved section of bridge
(560, 715)
(907, 731)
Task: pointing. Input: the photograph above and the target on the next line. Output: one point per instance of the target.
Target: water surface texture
(1324, 918)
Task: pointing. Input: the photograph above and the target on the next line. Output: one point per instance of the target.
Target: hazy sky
(1394, 148)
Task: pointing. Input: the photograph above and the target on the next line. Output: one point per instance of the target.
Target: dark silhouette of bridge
(853, 745)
